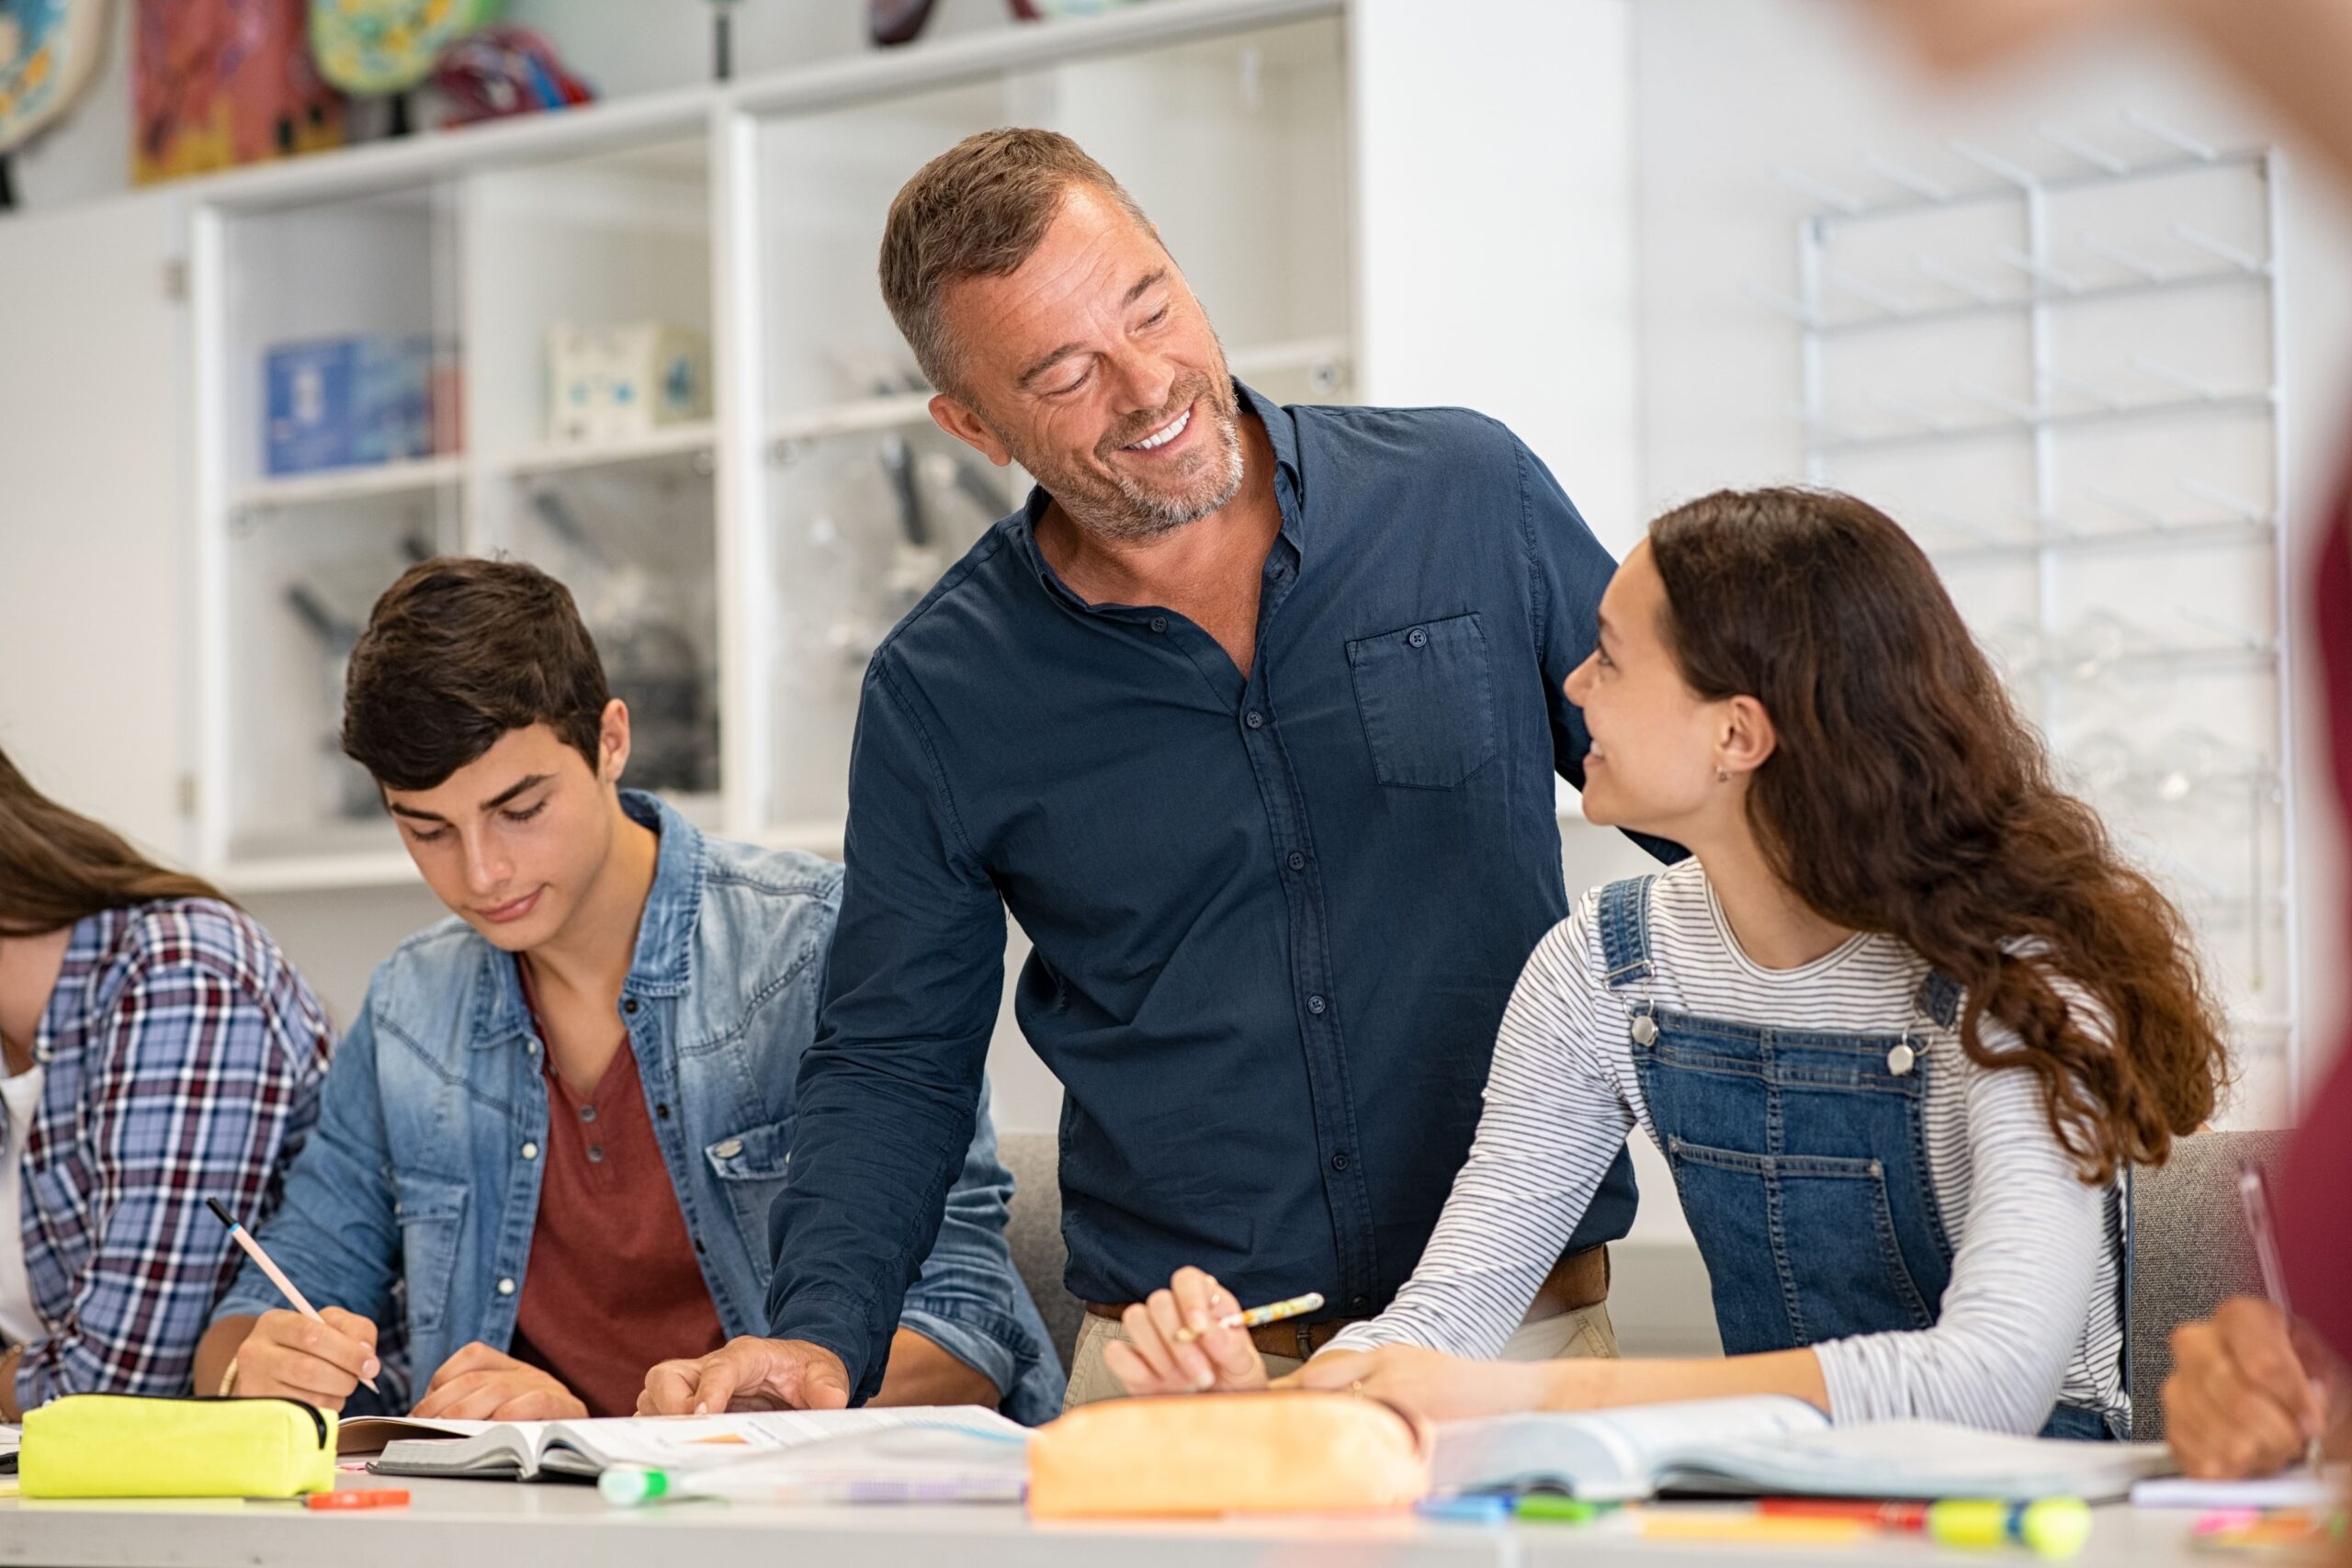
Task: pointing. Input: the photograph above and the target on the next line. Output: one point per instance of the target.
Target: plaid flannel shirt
(182, 1056)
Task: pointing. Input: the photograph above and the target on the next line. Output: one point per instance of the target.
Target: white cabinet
(94, 686)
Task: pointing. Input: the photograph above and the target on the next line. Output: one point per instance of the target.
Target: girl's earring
(1723, 776)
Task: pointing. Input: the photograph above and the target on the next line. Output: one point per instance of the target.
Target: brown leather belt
(1580, 1280)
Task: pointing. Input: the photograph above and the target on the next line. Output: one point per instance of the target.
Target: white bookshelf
(405, 476)
(740, 569)
(737, 570)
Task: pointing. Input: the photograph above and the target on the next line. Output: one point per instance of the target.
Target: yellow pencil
(1273, 1312)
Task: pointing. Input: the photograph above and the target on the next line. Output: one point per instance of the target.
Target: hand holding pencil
(1193, 1337)
(317, 1356)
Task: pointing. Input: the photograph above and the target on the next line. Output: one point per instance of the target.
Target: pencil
(243, 1237)
(1273, 1312)
(2253, 1193)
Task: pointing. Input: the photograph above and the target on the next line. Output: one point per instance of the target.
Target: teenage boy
(547, 1146)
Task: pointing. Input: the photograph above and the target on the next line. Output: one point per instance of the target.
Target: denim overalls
(1800, 1159)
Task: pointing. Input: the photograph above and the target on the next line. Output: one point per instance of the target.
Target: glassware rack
(2060, 366)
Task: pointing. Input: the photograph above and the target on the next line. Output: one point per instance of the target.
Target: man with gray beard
(1250, 718)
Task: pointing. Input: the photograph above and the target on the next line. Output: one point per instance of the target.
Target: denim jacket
(415, 1201)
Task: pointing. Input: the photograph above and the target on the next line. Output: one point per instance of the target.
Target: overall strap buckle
(1625, 931)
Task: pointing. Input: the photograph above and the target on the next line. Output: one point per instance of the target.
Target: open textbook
(1772, 1444)
(526, 1449)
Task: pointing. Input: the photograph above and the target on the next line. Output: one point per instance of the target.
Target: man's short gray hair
(980, 210)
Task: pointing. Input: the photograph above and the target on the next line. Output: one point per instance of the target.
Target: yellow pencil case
(115, 1445)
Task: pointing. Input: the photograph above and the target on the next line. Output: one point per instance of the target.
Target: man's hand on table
(748, 1374)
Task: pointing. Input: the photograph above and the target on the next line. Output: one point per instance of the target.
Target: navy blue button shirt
(1275, 918)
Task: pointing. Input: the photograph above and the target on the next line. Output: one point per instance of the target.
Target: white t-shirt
(20, 1323)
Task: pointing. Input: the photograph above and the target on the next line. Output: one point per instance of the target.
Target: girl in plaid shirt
(158, 1050)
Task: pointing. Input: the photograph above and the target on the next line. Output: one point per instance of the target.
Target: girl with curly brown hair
(1898, 1025)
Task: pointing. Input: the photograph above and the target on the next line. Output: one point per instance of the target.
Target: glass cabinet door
(589, 309)
(1237, 149)
(342, 420)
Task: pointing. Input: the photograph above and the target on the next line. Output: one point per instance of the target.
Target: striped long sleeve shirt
(2033, 1312)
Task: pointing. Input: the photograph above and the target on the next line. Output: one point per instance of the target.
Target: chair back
(1033, 1232)
(2189, 1252)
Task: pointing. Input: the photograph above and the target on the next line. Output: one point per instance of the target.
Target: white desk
(484, 1524)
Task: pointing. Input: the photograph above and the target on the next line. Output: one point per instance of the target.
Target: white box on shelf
(617, 383)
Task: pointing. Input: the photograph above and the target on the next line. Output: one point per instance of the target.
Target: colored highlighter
(1480, 1508)
(2053, 1529)
(1746, 1528)
(2267, 1532)
(1885, 1515)
(1549, 1508)
(629, 1485)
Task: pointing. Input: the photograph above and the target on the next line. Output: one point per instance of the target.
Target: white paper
(2296, 1488)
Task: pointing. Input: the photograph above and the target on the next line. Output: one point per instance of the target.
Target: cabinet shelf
(410, 474)
(1326, 360)
(699, 440)
(318, 873)
(859, 416)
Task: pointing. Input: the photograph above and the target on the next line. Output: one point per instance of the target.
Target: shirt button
(1254, 719)
(506, 1287)
(729, 1149)
(533, 1047)
(1359, 1300)
(629, 1006)
(587, 1113)
(1417, 637)
(662, 1110)
(1315, 1005)
(596, 1154)
(531, 1151)
(1297, 861)
(1159, 623)
(1340, 1160)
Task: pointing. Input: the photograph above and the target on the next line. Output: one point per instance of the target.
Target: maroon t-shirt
(2315, 1198)
(612, 1286)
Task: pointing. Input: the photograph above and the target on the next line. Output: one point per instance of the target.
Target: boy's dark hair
(459, 652)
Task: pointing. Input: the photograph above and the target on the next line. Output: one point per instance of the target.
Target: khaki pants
(1582, 1331)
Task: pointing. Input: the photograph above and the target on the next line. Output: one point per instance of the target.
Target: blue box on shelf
(336, 403)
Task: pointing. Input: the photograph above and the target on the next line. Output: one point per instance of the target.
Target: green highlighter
(1550, 1508)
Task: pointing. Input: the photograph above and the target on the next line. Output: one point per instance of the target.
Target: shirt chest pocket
(1426, 693)
(751, 1166)
(431, 1211)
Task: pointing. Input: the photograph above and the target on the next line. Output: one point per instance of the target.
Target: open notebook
(1772, 1444)
(526, 1450)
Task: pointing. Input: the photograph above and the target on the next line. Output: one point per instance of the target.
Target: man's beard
(1126, 510)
